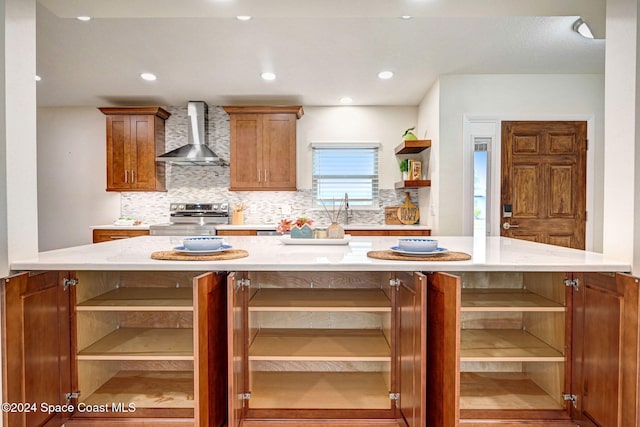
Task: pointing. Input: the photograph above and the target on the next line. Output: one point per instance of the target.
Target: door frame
(469, 120)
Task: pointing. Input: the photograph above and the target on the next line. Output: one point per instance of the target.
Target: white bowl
(417, 245)
(202, 243)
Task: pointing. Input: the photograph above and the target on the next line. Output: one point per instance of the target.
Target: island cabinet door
(443, 349)
(411, 318)
(210, 333)
(36, 322)
(237, 343)
(605, 350)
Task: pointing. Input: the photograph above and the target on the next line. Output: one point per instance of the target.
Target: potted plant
(302, 228)
(404, 168)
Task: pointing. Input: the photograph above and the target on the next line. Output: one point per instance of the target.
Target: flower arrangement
(304, 220)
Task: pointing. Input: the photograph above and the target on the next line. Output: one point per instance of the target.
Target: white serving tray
(287, 240)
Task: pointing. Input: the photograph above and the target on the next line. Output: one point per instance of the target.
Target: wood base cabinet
(116, 348)
(344, 346)
(541, 349)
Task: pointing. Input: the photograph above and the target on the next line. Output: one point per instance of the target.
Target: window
(481, 184)
(345, 168)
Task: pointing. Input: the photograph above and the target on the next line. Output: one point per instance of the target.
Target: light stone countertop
(270, 227)
(269, 253)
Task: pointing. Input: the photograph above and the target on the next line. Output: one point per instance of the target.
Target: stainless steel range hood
(196, 152)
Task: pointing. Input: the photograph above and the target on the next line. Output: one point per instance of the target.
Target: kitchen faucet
(347, 215)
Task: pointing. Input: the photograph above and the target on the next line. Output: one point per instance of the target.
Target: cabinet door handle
(126, 176)
(259, 176)
(265, 175)
(133, 176)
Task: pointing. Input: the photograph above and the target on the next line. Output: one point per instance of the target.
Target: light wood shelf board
(504, 345)
(320, 345)
(141, 299)
(146, 389)
(319, 390)
(320, 300)
(506, 300)
(502, 390)
(142, 344)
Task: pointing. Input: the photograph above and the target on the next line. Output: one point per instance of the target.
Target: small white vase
(335, 231)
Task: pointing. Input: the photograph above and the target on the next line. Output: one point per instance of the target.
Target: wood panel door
(238, 348)
(544, 182)
(411, 318)
(279, 151)
(443, 349)
(605, 350)
(142, 152)
(210, 340)
(38, 362)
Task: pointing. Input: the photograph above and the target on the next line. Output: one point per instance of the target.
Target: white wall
(429, 128)
(353, 123)
(622, 161)
(18, 180)
(72, 176)
(517, 97)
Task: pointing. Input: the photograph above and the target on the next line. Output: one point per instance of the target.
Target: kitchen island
(306, 332)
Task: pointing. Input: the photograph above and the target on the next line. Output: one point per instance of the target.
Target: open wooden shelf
(146, 389)
(141, 299)
(413, 147)
(505, 345)
(320, 345)
(142, 344)
(415, 183)
(503, 390)
(506, 300)
(320, 300)
(319, 390)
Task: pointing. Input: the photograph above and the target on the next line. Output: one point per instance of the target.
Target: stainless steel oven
(192, 219)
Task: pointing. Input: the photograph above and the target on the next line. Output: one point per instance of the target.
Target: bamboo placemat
(177, 256)
(446, 256)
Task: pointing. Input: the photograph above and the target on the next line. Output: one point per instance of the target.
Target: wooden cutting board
(391, 215)
(408, 213)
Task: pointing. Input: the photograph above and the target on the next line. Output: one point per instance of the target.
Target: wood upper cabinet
(135, 136)
(36, 351)
(263, 147)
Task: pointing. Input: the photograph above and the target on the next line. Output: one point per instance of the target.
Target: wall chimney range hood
(196, 152)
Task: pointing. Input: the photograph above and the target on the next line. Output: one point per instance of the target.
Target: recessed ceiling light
(268, 76)
(243, 18)
(148, 76)
(406, 17)
(385, 75)
(346, 100)
(582, 28)
(84, 18)
(38, 78)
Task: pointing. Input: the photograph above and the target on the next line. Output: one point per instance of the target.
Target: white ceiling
(320, 50)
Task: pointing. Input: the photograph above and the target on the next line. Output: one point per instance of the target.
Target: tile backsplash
(211, 184)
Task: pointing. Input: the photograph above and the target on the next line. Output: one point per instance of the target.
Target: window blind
(340, 170)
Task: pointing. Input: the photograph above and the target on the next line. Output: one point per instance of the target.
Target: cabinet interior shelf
(142, 344)
(413, 147)
(503, 390)
(141, 299)
(320, 345)
(506, 300)
(370, 300)
(505, 345)
(413, 183)
(146, 389)
(320, 390)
